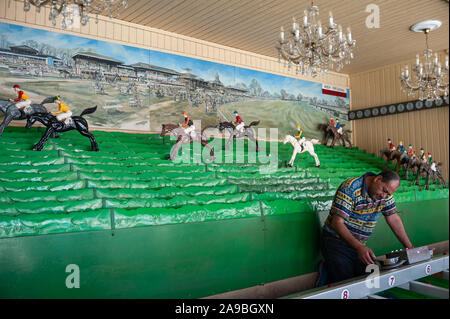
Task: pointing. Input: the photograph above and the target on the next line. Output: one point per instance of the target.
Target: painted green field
(284, 115)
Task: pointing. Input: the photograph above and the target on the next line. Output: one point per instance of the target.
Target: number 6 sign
(428, 269)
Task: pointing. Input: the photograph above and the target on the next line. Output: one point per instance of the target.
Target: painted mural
(141, 89)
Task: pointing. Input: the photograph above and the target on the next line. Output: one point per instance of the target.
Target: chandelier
(71, 10)
(428, 76)
(315, 48)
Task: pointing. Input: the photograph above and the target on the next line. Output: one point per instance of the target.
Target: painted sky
(128, 55)
(229, 75)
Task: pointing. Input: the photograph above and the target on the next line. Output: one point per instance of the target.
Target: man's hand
(395, 223)
(366, 255)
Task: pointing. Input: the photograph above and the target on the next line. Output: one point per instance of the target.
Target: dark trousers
(341, 260)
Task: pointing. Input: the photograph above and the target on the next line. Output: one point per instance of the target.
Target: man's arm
(365, 254)
(395, 223)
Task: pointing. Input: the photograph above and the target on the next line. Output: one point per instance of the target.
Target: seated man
(240, 123)
(353, 215)
(189, 126)
(64, 113)
(23, 101)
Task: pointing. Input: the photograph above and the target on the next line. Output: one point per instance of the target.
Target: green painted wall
(188, 260)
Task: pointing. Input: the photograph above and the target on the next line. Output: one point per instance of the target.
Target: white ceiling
(253, 25)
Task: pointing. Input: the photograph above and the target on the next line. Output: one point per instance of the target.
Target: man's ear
(378, 178)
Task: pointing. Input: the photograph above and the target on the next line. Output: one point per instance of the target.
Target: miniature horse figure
(53, 125)
(344, 136)
(328, 134)
(236, 134)
(183, 138)
(308, 146)
(401, 158)
(430, 171)
(413, 165)
(13, 113)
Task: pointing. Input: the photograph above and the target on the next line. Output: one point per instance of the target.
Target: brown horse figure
(437, 174)
(425, 169)
(183, 138)
(248, 132)
(401, 158)
(327, 135)
(344, 136)
(412, 165)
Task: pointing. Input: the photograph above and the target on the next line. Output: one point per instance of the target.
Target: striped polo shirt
(360, 212)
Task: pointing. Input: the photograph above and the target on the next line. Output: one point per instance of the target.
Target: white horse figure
(308, 146)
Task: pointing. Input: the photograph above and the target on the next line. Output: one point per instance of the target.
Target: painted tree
(32, 44)
(340, 102)
(255, 88)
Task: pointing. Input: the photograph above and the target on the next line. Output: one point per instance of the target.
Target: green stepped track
(400, 293)
(130, 182)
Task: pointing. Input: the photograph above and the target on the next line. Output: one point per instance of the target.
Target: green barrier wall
(188, 260)
(139, 226)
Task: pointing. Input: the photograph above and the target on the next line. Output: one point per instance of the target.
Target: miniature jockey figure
(332, 123)
(23, 102)
(64, 113)
(423, 157)
(188, 125)
(300, 132)
(391, 145)
(339, 127)
(433, 166)
(430, 158)
(401, 148)
(240, 123)
(411, 151)
(299, 136)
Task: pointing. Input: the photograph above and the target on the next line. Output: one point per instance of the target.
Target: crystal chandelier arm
(284, 51)
(40, 3)
(60, 7)
(63, 7)
(288, 56)
(409, 84)
(314, 47)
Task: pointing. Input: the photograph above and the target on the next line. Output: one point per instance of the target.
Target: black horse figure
(13, 113)
(328, 134)
(53, 125)
(248, 131)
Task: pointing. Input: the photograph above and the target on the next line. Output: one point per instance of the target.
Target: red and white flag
(334, 90)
